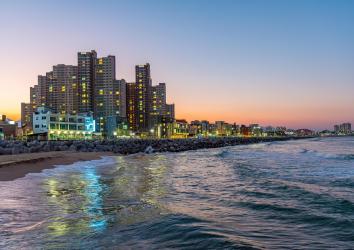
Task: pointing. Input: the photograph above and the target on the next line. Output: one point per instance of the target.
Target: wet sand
(17, 166)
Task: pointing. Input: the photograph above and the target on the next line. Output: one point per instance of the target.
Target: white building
(63, 126)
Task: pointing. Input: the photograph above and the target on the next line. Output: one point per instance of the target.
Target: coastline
(13, 167)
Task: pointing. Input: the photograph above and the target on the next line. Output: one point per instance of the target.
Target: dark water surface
(279, 195)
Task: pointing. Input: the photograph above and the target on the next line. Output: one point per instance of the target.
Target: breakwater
(131, 146)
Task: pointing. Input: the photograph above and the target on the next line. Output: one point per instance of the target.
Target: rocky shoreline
(131, 146)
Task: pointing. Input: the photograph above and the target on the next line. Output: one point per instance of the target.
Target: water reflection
(93, 198)
(274, 196)
(80, 194)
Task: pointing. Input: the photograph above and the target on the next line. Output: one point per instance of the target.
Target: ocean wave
(346, 157)
(104, 161)
(224, 154)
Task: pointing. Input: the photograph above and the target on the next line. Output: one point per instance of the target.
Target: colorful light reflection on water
(292, 195)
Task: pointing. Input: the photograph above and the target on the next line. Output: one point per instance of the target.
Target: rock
(72, 147)
(63, 148)
(149, 150)
(16, 150)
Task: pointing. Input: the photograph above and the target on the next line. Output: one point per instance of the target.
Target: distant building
(163, 128)
(91, 86)
(105, 92)
(195, 128)
(120, 98)
(222, 128)
(336, 129)
(42, 99)
(131, 105)
(245, 131)
(8, 128)
(205, 125)
(142, 97)
(64, 89)
(63, 126)
(158, 99)
(86, 80)
(35, 96)
(344, 128)
(27, 117)
(170, 111)
(304, 132)
(180, 129)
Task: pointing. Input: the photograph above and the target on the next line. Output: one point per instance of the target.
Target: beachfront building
(163, 128)
(91, 86)
(57, 126)
(180, 129)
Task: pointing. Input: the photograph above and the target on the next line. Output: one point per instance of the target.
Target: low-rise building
(58, 126)
(245, 131)
(8, 128)
(180, 129)
(164, 127)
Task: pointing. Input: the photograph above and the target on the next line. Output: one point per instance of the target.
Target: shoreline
(14, 166)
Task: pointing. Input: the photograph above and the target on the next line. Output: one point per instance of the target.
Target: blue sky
(273, 62)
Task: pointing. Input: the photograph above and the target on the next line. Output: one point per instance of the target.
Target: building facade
(27, 110)
(104, 92)
(131, 105)
(344, 128)
(142, 97)
(65, 89)
(59, 126)
(86, 63)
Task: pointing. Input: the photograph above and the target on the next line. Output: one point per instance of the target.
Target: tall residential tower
(86, 64)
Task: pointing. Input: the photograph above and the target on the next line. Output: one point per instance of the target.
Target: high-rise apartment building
(170, 111)
(43, 91)
(105, 91)
(91, 86)
(120, 97)
(35, 95)
(26, 115)
(142, 96)
(86, 80)
(131, 105)
(158, 99)
(65, 89)
(51, 99)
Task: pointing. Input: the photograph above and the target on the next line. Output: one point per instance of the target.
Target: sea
(279, 195)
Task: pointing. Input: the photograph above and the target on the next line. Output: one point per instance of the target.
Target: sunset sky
(270, 62)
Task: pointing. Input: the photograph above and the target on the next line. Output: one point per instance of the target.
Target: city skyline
(304, 79)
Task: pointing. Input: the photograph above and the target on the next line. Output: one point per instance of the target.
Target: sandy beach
(17, 166)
